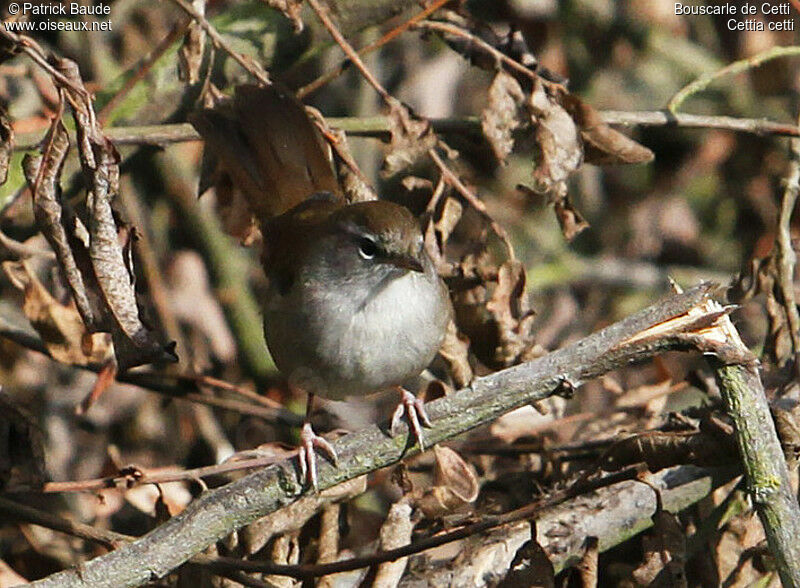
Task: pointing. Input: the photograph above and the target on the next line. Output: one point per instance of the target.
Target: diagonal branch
(667, 325)
(219, 41)
(762, 456)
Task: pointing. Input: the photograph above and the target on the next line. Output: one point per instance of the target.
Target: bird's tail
(263, 144)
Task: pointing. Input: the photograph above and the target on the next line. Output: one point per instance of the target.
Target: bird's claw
(307, 455)
(415, 409)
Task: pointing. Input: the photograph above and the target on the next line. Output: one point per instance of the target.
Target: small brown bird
(354, 304)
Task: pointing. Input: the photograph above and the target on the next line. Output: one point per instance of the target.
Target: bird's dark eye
(367, 248)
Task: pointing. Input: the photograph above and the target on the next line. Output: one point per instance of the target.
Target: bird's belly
(358, 347)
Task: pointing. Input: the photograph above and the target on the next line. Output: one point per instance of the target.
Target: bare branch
(219, 41)
(218, 512)
(378, 126)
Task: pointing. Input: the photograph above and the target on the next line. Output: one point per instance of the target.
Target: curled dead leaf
(511, 311)
(502, 114)
(190, 55)
(569, 218)
(60, 326)
(6, 144)
(602, 144)
(290, 9)
(411, 139)
(665, 554)
(455, 484)
(558, 140)
(455, 351)
(99, 276)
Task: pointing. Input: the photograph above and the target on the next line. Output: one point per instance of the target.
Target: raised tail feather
(266, 143)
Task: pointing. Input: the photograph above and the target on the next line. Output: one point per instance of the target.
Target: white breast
(356, 345)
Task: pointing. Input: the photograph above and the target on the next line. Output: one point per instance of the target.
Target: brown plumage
(354, 303)
(264, 140)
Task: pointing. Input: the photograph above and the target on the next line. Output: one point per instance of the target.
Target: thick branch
(762, 457)
(613, 514)
(665, 325)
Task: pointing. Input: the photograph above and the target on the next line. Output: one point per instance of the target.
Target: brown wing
(273, 152)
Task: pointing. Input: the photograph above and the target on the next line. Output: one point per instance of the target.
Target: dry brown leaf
(21, 448)
(602, 144)
(510, 309)
(502, 114)
(559, 142)
(60, 326)
(290, 9)
(111, 295)
(786, 413)
(190, 55)
(665, 554)
(560, 154)
(455, 484)
(530, 567)
(569, 218)
(355, 185)
(411, 139)
(455, 351)
(448, 218)
(6, 144)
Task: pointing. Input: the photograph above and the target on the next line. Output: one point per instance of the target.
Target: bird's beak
(407, 262)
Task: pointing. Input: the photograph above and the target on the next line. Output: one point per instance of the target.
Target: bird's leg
(309, 440)
(414, 408)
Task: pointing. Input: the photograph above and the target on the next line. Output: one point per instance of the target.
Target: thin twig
(245, 61)
(662, 326)
(212, 382)
(32, 49)
(352, 54)
(128, 480)
(378, 126)
(308, 571)
(664, 118)
(21, 512)
(16, 511)
(395, 32)
(456, 31)
(140, 70)
(740, 66)
(453, 179)
(785, 256)
(171, 385)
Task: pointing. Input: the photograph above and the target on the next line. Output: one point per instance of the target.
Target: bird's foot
(414, 408)
(307, 454)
